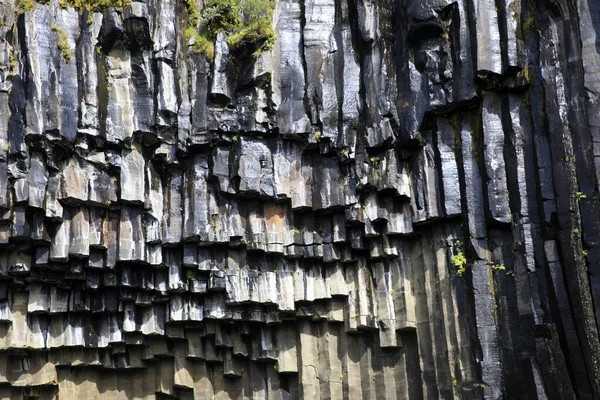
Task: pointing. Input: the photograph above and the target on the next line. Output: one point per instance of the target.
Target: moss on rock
(245, 22)
(93, 5)
(62, 42)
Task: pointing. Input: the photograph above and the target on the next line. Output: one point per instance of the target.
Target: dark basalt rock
(398, 200)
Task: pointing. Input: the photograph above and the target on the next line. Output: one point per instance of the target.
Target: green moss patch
(62, 42)
(245, 22)
(22, 6)
(93, 5)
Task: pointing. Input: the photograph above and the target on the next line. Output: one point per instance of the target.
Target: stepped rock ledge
(299, 199)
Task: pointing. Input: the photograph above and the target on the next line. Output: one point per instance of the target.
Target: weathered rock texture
(292, 225)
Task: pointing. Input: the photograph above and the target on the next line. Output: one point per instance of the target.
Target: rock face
(399, 200)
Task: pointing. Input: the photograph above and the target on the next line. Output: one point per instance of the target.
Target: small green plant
(243, 22)
(529, 24)
(22, 6)
(5, 147)
(235, 138)
(585, 252)
(214, 218)
(190, 275)
(12, 64)
(202, 44)
(581, 196)
(528, 72)
(93, 5)
(498, 267)
(510, 273)
(317, 136)
(62, 41)
(460, 262)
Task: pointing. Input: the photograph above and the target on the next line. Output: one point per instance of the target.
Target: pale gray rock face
(132, 177)
(319, 53)
(289, 74)
(487, 31)
(221, 89)
(118, 123)
(88, 100)
(398, 200)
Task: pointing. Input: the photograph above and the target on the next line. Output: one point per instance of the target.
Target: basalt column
(288, 199)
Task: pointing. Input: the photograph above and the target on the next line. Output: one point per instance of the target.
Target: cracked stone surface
(398, 200)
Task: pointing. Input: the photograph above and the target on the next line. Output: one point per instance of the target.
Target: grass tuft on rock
(93, 5)
(22, 6)
(62, 41)
(245, 22)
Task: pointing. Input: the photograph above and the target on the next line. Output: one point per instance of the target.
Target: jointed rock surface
(399, 199)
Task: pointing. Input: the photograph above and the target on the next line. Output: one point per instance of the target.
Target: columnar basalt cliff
(384, 199)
